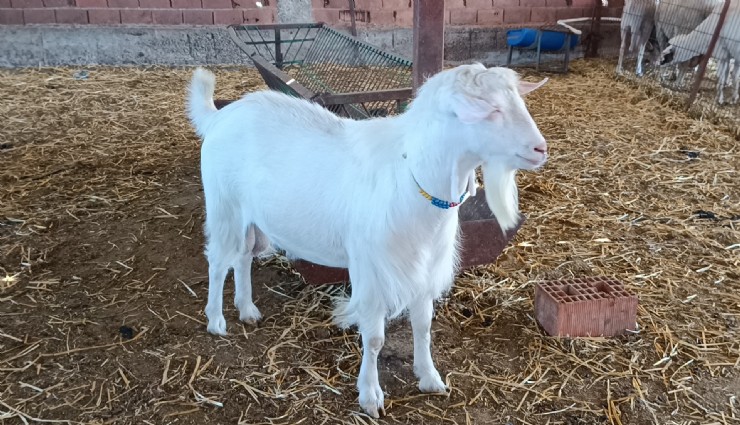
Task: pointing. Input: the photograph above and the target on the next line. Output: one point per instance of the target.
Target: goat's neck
(438, 163)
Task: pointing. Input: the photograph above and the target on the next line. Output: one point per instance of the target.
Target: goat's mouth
(532, 163)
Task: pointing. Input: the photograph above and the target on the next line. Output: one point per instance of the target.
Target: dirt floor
(103, 280)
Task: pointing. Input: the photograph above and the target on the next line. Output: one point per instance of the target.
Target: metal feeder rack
(335, 70)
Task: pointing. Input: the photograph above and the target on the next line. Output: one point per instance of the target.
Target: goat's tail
(200, 102)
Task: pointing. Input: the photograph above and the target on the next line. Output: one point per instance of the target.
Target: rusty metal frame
(705, 58)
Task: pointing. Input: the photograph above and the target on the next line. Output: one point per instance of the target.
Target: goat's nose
(541, 148)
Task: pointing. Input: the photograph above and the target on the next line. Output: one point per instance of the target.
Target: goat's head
(492, 123)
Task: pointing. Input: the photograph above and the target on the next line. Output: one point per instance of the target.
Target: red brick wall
(370, 13)
(151, 12)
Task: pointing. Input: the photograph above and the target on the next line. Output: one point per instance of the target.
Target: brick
(517, 15)
(4, 4)
(104, 16)
(167, 16)
(479, 4)
(557, 3)
(330, 16)
(27, 4)
(228, 17)
(39, 16)
(337, 4)
(136, 16)
(92, 3)
(317, 4)
(491, 17)
(396, 4)
(463, 16)
(71, 16)
(368, 4)
(568, 12)
(264, 15)
(583, 3)
(361, 16)
(186, 4)
(154, 4)
(11, 17)
(197, 17)
(454, 4)
(543, 14)
(586, 307)
(505, 3)
(133, 4)
(382, 17)
(59, 3)
(218, 4)
(533, 3)
(404, 18)
(612, 12)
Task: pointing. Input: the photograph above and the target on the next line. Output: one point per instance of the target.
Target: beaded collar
(439, 203)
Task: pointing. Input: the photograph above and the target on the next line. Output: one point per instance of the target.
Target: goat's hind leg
(218, 267)
(256, 243)
(420, 315)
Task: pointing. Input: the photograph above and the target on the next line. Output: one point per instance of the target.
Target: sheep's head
(495, 125)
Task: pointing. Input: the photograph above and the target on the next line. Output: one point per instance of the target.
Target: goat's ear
(470, 109)
(526, 88)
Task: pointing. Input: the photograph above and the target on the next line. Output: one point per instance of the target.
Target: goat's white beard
(502, 195)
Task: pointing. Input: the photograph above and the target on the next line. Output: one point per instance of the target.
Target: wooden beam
(429, 31)
(362, 97)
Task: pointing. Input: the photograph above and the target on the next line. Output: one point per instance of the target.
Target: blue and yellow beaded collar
(440, 203)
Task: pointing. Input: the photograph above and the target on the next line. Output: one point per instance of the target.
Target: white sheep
(689, 48)
(676, 17)
(638, 20)
(347, 193)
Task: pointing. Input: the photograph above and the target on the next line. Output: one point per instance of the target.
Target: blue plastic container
(526, 38)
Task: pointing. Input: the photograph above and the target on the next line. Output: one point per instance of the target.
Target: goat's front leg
(373, 338)
(420, 314)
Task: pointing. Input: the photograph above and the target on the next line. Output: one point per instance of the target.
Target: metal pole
(429, 31)
(707, 55)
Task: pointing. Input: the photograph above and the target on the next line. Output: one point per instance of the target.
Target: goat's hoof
(432, 383)
(249, 313)
(371, 402)
(217, 326)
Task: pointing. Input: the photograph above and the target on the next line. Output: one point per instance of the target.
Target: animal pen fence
(691, 57)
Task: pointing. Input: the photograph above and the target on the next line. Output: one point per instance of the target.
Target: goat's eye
(496, 113)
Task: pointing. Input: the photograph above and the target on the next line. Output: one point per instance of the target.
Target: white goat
(347, 193)
(689, 48)
(638, 19)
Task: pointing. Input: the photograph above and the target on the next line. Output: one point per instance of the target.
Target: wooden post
(429, 31)
(705, 58)
(353, 29)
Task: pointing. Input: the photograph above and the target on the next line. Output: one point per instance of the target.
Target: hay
(102, 277)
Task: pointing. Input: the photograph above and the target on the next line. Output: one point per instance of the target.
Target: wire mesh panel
(338, 63)
(678, 60)
(325, 61)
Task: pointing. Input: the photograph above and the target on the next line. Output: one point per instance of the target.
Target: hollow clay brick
(583, 307)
